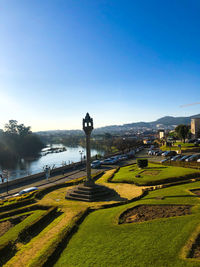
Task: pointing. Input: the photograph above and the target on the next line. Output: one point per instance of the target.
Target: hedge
(51, 254)
(142, 163)
(25, 209)
(8, 240)
(37, 225)
(17, 204)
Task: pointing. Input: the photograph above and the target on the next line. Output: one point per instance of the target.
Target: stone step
(89, 193)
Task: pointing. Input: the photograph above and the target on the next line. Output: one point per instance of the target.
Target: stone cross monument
(89, 190)
(88, 127)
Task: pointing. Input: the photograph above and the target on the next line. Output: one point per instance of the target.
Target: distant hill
(164, 122)
(168, 122)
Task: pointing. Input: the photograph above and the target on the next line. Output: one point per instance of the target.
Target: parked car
(164, 153)
(95, 164)
(193, 157)
(115, 159)
(169, 153)
(107, 161)
(165, 160)
(196, 143)
(191, 140)
(175, 158)
(123, 157)
(26, 190)
(183, 158)
(150, 152)
(159, 153)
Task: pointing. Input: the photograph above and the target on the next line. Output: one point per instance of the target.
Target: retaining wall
(41, 174)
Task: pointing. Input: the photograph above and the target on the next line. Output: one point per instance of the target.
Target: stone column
(88, 127)
(88, 158)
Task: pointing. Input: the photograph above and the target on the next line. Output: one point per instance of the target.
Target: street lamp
(81, 153)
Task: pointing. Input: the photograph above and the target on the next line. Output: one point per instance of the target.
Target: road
(68, 175)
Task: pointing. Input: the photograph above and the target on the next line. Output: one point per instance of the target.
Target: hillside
(168, 122)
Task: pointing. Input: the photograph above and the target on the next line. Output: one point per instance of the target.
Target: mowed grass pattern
(100, 241)
(153, 173)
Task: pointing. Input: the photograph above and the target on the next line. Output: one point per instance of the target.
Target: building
(161, 134)
(195, 127)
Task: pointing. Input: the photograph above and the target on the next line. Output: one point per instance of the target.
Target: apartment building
(195, 127)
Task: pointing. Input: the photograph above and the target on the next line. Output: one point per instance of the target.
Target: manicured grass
(100, 241)
(42, 246)
(186, 146)
(153, 174)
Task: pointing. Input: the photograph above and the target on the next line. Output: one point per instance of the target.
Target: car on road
(115, 159)
(108, 161)
(95, 164)
(123, 157)
(26, 190)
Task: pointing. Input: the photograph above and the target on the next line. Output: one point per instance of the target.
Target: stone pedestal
(89, 191)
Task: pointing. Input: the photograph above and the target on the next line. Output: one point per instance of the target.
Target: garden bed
(154, 174)
(7, 224)
(150, 212)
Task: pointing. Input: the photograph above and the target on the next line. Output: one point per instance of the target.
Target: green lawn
(184, 146)
(153, 174)
(100, 241)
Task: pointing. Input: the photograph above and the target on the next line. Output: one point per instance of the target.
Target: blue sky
(121, 61)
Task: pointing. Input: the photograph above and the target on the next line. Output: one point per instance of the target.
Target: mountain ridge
(166, 121)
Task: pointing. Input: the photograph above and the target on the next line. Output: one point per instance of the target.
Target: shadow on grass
(115, 197)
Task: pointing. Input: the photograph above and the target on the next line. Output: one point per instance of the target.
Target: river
(26, 167)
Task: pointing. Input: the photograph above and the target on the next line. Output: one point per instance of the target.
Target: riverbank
(33, 180)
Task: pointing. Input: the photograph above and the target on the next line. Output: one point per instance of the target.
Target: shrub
(142, 163)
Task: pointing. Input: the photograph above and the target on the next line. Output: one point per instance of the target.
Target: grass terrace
(184, 147)
(102, 241)
(58, 232)
(153, 174)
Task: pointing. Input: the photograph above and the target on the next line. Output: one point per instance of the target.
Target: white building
(195, 127)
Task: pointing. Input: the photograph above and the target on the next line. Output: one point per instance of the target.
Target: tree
(182, 131)
(18, 141)
(23, 130)
(13, 128)
(120, 144)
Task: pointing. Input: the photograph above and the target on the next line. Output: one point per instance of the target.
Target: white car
(177, 157)
(25, 191)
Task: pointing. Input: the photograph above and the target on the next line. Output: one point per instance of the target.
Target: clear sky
(121, 61)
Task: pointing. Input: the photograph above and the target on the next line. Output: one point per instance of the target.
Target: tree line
(18, 141)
